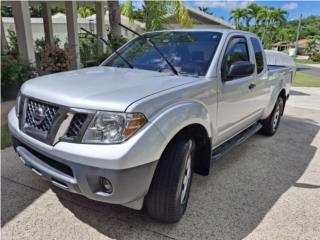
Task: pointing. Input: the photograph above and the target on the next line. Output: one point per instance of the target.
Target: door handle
(251, 86)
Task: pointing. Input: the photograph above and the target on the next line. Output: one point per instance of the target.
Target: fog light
(106, 184)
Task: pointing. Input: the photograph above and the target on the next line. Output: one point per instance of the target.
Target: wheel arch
(278, 92)
(190, 119)
(283, 95)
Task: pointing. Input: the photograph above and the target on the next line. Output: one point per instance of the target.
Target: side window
(258, 54)
(237, 50)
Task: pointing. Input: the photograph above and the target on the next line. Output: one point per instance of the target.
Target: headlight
(111, 127)
(18, 103)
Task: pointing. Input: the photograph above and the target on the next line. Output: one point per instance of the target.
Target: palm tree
(279, 16)
(245, 15)
(265, 16)
(281, 34)
(156, 13)
(236, 15)
(85, 11)
(114, 18)
(253, 11)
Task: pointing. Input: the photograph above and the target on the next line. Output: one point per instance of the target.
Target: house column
(100, 23)
(4, 42)
(47, 23)
(22, 21)
(72, 28)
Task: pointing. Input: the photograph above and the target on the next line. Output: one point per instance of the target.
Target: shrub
(103, 56)
(117, 42)
(56, 60)
(13, 43)
(313, 48)
(40, 44)
(316, 57)
(88, 48)
(15, 71)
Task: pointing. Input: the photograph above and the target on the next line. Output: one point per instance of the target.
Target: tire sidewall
(163, 201)
(279, 105)
(189, 146)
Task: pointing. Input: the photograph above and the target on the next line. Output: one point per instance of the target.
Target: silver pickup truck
(133, 130)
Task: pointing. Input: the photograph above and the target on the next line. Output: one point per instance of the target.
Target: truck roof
(222, 30)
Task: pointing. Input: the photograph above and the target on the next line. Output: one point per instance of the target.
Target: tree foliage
(85, 11)
(155, 13)
(263, 20)
(271, 24)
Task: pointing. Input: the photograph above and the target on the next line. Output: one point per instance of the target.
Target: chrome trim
(63, 127)
(59, 126)
(81, 110)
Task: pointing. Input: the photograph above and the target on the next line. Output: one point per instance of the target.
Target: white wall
(60, 27)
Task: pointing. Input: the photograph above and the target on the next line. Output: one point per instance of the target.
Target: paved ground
(5, 108)
(267, 188)
(313, 69)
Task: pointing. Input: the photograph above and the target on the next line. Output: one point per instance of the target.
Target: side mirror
(240, 69)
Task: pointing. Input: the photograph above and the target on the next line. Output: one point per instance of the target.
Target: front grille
(49, 161)
(50, 123)
(50, 113)
(76, 125)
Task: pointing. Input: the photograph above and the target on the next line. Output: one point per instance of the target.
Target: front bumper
(79, 167)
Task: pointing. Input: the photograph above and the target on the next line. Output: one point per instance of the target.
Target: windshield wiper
(152, 44)
(108, 44)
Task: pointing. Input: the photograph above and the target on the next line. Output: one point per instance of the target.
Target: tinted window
(236, 52)
(189, 52)
(258, 54)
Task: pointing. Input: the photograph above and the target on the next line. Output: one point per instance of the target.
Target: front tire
(271, 124)
(169, 191)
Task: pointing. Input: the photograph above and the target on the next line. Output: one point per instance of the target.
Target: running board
(235, 141)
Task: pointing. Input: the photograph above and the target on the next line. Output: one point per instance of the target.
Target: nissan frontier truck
(133, 130)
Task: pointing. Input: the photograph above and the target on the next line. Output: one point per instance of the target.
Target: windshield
(189, 52)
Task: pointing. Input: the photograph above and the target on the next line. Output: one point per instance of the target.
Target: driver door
(237, 108)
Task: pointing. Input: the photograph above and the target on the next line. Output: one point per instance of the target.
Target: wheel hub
(186, 178)
(276, 118)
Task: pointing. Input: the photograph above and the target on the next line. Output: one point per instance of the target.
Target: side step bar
(241, 137)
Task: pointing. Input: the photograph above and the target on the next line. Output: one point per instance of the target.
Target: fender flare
(174, 118)
(274, 96)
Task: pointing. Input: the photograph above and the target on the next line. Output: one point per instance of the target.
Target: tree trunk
(114, 18)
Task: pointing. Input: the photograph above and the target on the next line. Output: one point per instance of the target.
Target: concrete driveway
(266, 188)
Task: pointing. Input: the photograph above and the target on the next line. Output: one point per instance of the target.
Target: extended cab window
(189, 52)
(258, 54)
(237, 50)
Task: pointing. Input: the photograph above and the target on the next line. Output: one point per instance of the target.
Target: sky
(294, 8)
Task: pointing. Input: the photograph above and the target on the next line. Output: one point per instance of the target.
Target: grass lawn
(306, 80)
(5, 137)
(304, 61)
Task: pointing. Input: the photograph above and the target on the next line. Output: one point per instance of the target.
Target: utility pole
(298, 33)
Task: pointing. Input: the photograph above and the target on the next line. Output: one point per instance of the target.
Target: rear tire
(169, 191)
(271, 124)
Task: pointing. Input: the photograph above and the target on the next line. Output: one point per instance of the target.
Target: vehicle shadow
(20, 187)
(303, 68)
(298, 93)
(228, 204)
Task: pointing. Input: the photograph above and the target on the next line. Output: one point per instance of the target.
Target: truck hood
(101, 88)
